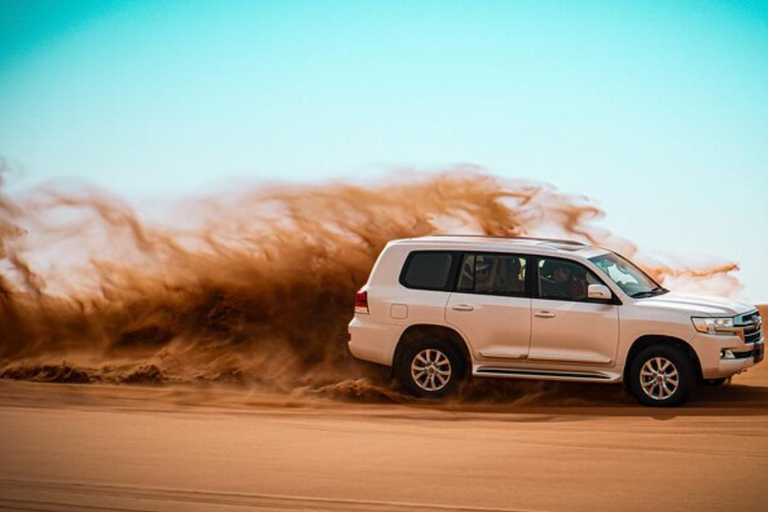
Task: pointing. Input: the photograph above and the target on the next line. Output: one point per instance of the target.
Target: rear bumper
(372, 341)
(725, 356)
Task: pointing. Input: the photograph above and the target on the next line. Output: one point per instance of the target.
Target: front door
(491, 306)
(567, 327)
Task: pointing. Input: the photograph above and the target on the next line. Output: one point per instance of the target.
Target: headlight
(714, 325)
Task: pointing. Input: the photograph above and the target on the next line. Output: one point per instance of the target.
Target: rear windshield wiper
(650, 293)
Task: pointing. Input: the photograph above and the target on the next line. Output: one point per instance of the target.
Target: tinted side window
(427, 270)
(496, 274)
(564, 280)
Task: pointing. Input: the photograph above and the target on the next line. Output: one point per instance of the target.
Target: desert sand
(183, 448)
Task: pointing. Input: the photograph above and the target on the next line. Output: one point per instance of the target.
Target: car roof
(523, 244)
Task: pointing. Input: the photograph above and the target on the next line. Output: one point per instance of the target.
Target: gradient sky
(656, 110)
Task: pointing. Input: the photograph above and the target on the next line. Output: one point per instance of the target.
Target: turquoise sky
(656, 110)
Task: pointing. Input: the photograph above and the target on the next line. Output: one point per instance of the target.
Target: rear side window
(428, 270)
(494, 274)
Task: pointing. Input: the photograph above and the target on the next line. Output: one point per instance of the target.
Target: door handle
(463, 307)
(544, 314)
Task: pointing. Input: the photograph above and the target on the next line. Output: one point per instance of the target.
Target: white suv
(440, 308)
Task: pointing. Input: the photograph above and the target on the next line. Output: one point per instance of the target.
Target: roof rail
(533, 238)
(555, 240)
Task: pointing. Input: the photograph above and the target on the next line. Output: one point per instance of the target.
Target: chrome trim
(570, 359)
(542, 374)
(498, 354)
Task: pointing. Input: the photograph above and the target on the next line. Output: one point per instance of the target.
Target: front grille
(752, 325)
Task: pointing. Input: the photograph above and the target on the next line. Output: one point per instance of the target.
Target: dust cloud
(253, 286)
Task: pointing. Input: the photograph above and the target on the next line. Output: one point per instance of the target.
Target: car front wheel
(662, 376)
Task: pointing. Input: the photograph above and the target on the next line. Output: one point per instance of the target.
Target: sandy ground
(69, 447)
(88, 447)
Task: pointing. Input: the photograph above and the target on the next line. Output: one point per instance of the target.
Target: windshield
(627, 276)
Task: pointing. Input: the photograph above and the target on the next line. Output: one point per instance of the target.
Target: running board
(490, 371)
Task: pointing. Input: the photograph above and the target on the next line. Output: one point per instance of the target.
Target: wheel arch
(649, 340)
(418, 332)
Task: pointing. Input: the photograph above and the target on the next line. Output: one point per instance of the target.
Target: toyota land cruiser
(438, 309)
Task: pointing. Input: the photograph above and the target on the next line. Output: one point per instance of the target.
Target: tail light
(361, 302)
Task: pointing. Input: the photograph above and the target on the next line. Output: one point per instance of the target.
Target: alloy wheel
(659, 378)
(431, 369)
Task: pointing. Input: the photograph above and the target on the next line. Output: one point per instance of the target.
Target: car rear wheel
(431, 369)
(662, 376)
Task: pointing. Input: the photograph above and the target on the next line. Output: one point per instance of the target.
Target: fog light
(726, 354)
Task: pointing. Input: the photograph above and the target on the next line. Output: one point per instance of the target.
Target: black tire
(715, 382)
(456, 366)
(656, 393)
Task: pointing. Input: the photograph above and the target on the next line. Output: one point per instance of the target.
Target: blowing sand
(76, 447)
(204, 367)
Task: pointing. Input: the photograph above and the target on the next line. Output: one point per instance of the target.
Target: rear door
(491, 305)
(567, 327)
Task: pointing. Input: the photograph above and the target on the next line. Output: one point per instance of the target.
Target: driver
(560, 285)
(579, 284)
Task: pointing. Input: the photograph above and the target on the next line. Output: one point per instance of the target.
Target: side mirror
(599, 292)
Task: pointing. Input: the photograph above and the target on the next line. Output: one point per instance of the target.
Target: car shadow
(560, 401)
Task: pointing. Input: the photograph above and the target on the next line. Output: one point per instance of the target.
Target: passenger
(508, 278)
(484, 274)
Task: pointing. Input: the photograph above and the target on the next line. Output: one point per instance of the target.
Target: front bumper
(725, 356)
